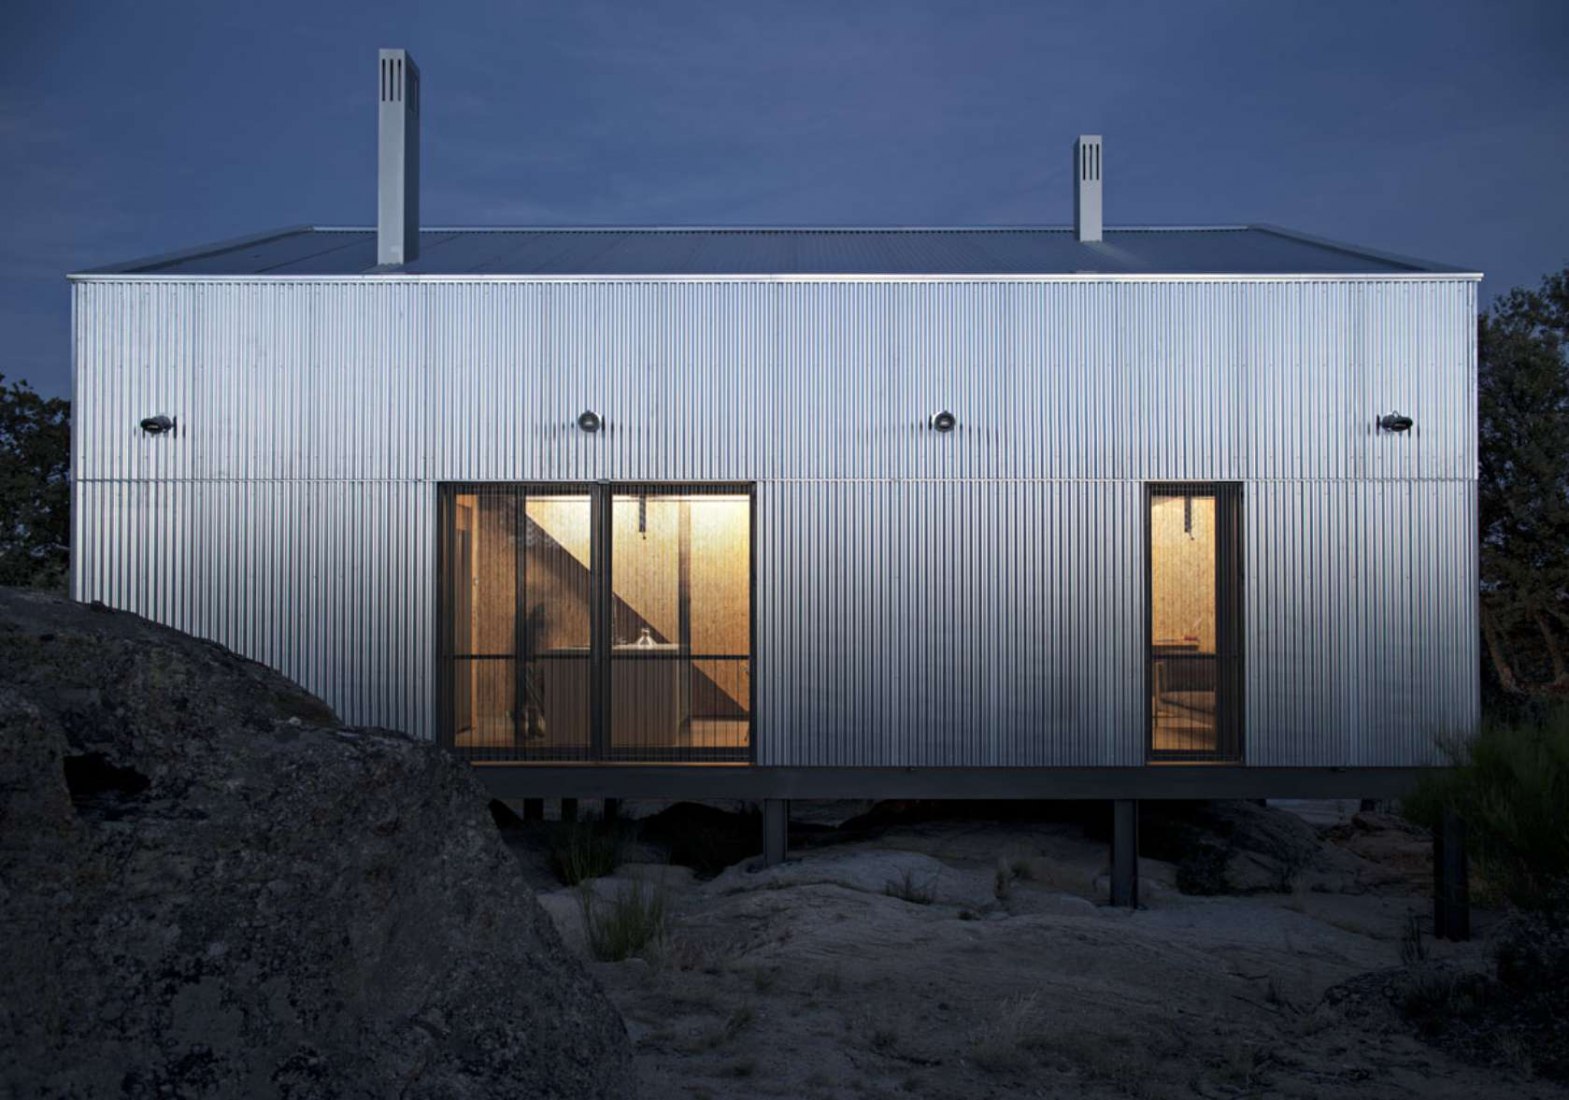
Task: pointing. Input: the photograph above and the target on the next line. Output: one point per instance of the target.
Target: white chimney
(397, 185)
(1086, 187)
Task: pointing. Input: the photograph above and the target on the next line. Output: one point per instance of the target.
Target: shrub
(1511, 787)
(582, 850)
(1434, 999)
(1532, 951)
(629, 923)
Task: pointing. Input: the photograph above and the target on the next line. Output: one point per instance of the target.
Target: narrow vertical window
(1194, 661)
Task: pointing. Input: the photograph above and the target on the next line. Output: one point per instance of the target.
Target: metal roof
(609, 251)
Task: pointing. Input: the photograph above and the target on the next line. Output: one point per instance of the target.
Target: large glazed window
(1194, 664)
(587, 623)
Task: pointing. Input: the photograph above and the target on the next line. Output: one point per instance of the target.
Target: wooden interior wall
(1182, 562)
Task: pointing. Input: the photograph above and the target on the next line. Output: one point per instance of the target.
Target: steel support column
(1451, 880)
(776, 830)
(1125, 853)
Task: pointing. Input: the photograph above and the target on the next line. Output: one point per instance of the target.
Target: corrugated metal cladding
(970, 598)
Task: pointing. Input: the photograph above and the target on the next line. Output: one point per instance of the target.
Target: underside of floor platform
(689, 781)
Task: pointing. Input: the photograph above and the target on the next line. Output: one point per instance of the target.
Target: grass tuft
(1412, 949)
(1002, 881)
(627, 925)
(582, 850)
(906, 888)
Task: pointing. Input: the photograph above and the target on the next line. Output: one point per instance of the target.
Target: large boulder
(1230, 847)
(208, 887)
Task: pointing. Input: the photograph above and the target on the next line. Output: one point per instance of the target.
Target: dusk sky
(1434, 129)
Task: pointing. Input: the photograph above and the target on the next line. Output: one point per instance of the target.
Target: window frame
(1230, 655)
(601, 496)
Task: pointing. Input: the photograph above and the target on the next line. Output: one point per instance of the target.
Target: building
(984, 512)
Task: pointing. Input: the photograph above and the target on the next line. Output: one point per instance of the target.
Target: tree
(35, 494)
(1523, 493)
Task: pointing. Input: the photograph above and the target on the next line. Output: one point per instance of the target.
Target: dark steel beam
(689, 781)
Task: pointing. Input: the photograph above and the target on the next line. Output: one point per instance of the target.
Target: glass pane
(484, 690)
(557, 627)
(680, 674)
(484, 564)
(1183, 623)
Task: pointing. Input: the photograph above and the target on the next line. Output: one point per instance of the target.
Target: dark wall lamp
(1395, 422)
(157, 425)
(943, 421)
(589, 421)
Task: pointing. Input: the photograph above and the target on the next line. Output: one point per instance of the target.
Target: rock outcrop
(1230, 847)
(208, 887)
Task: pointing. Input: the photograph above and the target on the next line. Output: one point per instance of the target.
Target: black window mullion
(599, 630)
(519, 623)
(1222, 625)
(446, 734)
(1230, 589)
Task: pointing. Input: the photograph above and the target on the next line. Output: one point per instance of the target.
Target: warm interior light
(677, 643)
(1182, 562)
(1183, 622)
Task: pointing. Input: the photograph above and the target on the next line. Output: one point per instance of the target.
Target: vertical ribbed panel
(744, 380)
(969, 598)
(1362, 639)
(264, 380)
(331, 583)
(950, 623)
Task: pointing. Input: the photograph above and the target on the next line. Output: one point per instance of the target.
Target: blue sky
(1437, 129)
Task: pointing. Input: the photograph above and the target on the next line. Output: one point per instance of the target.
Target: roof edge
(147, 265)
(394, 275)
(738, 228)
(1369, 253)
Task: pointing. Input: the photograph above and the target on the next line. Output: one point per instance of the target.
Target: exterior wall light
(157, 425)
(943, 421)
(1395, 422)
(589, 421)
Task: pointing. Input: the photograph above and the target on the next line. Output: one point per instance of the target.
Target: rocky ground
(970, 958)
(210, 888)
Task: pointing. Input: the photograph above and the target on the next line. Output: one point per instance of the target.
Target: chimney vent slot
(1087, 188)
